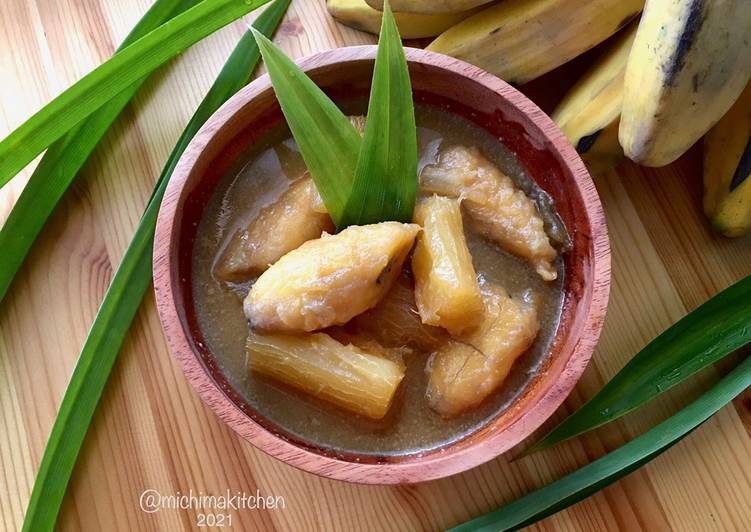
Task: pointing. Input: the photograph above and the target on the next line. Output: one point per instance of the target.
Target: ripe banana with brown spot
(519, 40)
(690, 61)
(428, 6)
(727, 170)
(590, 111)
(359, 15)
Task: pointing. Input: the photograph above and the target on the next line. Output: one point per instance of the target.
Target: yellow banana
(590, 112)
(602, 152)
(727, 169)
(519, 40)
(690, 61)
(359, 15)
(426, 7)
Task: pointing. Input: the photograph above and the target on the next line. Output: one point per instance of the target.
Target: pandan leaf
(360, 181)
(715, 329)
(63, 159)
(328, 142)
(122, 70)
(385, 182)
(601, 473)
(122, 300)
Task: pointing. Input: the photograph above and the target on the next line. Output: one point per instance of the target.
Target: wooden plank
(152, 432)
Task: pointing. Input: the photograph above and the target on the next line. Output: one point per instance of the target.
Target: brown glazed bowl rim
(509, 427)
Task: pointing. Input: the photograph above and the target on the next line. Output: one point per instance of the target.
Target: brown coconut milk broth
(258, 179)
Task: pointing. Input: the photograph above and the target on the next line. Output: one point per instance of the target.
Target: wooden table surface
(152, 432)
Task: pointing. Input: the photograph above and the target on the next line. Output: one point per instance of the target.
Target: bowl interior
(458, 88)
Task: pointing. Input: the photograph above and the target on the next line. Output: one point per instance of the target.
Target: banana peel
(727, 170)
(519, 40)
(690, 61)
(601, 151)
(428, 7)
(359, 15)
(589, 113)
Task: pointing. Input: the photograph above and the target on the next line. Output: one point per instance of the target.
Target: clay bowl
(437, 80)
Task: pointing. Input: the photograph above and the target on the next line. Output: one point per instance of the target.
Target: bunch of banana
(428, 6)
(727, 169)
(359, 15)
(661, 85)
(590, 112)
(690, 61)
(519, 40)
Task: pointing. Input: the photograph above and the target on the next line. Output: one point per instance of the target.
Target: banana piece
(427, 7)
(690, 61)
(519, 40)
(359, 15)
(590, 112)
(727, 170)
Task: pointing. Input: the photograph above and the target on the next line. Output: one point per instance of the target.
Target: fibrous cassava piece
(446, 288)
(497, 209)
(348, 376)
(358, 122)
(469, 368)
(329, 280)
(395, 320)
(296, 217)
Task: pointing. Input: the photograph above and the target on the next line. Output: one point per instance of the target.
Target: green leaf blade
(63, 159)
(717, 328)
(122, 301)
(126, 67)
(328, 142)
(602, 472)
(385, 180)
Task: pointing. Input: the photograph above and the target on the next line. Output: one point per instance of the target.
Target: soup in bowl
(391, 352)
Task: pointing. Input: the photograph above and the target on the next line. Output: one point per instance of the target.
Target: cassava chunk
(395, 321)
(296, 217)
(497, 209)
(446, 288)
(358, 121)
(345, 375)
(330, 280)
(468, 369)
